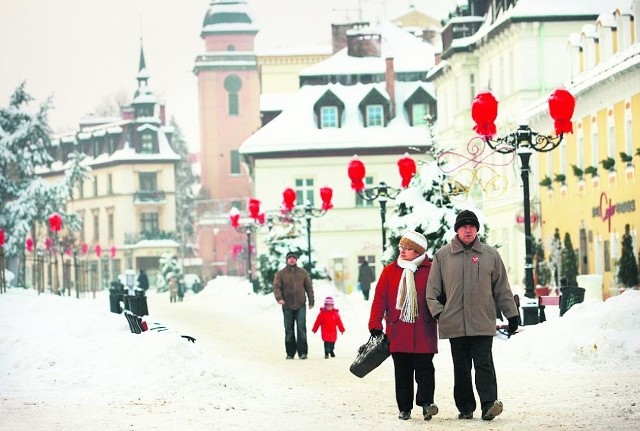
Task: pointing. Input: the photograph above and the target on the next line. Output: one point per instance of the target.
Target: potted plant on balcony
(609, 164)
(593, 171)
(546, 182)
(627, 159)
(562, 180)
(579, 173)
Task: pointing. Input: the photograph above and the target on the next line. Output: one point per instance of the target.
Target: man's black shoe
(303, 356)
(289, 357)
(429, 410)
(404, 416)
(465, 415)
(492, 410)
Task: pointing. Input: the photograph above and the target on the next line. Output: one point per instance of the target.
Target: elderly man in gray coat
(467, 281)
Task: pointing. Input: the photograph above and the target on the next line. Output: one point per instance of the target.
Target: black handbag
(370, 355)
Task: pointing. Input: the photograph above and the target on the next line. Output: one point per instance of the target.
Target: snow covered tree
(569, 261)
(542, 271)
(26, 199)
(425, 207)
(280, 241)
(169, 267)
(555, 257)
(185, 182)
(628, 268)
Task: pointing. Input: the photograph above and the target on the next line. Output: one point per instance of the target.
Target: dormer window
(375, 116)
(419, 112)
(147, 143)
(328, 117)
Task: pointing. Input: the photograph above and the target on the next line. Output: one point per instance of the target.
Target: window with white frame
(611, 141)
(328, 117)
(580, 152)
(419, 112)
(368, 181)
(628, 137)
(594, 148)
(375, 116)
(147, 145)
(304, 191)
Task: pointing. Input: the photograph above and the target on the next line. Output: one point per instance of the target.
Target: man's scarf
(407, 300)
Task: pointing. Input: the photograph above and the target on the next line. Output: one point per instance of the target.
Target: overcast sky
(83, 52)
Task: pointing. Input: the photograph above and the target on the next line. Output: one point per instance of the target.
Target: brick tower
(229, 96)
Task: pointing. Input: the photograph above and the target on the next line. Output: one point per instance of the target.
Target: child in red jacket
(328, 321)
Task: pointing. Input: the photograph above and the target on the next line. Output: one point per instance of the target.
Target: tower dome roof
(228, 15)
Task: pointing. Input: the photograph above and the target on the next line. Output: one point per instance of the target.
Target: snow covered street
(69, 364)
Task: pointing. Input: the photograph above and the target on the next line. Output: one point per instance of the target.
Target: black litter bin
(142, 303)
(137, 304)
(115, 296)
(529, 315)
(570, 297)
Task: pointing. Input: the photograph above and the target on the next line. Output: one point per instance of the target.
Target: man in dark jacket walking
(365, 278)
(290, 285)
(467, 282)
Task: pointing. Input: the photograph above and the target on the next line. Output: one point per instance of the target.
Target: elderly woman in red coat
(400, 299)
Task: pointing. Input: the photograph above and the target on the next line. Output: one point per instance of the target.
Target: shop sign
(606, 209)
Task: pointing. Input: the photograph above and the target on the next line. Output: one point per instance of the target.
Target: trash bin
(570, 296)
(115, 296)
(137, 304)
(529, 315)
(142, 303)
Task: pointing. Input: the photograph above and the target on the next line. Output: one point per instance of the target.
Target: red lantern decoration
(29, 244)
(407, 167)
(254, 208)
(261, 218)
(234, 217)
(84, 248)
(55, 222)
(561, 106)
(484, 111)
(1, 237)
(356, 173)
(68, 251)
(98, 250)
(326, 194)
(48, 243)
(289, 198)
(112, 250)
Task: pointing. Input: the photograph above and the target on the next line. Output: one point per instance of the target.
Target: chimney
(339, 33)
(390, 80)
(163, 114)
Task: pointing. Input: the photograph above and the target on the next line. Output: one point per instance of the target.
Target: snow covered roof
(295, 129)
(409, 53)
(528, 10)
(275, 101)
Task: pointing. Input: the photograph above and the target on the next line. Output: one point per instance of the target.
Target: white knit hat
(415, 241)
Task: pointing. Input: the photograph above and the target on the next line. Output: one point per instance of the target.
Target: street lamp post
(382, 192)
(3, 287)
(258, 219)
(524, 141)
(307, 211)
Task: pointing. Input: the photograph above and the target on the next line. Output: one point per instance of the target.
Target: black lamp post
(382, 192)
(524, 142)
(248, 228)
(307, 211)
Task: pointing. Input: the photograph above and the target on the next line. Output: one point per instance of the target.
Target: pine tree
(628, 268)
(185, 182)
(555, 258)
(428, 184)
(169, 267)
(26, 200)
(280, 241)
(542, 270)
(569, 261)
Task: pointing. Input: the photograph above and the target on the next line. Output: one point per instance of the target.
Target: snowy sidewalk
(58, 375)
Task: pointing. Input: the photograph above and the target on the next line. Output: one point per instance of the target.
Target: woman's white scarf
(407, 300)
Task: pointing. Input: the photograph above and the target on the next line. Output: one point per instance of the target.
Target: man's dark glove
(513, 324)
(376, 332)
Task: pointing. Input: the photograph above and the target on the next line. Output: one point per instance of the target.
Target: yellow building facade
(595, 190)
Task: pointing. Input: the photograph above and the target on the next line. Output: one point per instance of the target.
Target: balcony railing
(149, 196)
(134, 238)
